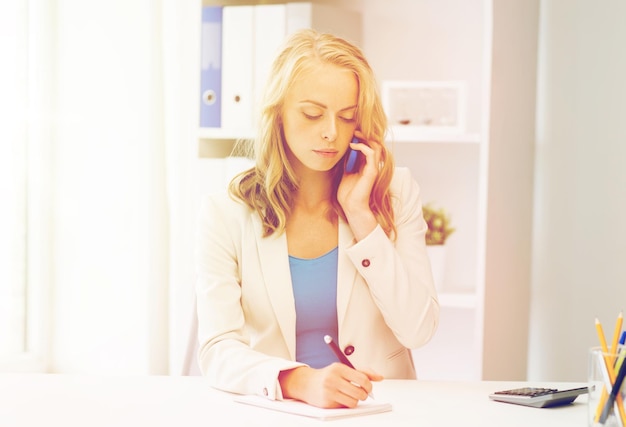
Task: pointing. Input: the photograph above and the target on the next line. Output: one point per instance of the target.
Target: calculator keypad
(528, 391)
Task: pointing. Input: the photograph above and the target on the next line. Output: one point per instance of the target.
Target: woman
(301, 249)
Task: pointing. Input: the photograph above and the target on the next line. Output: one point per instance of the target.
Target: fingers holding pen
(334, 386)
(361, 379)
(346, 385)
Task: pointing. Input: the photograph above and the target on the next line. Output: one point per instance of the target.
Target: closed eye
(312, 116)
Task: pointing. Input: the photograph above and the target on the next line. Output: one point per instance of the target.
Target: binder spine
(237, 66)
(211, 67)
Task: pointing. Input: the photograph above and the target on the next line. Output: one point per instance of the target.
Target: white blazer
(386, 300)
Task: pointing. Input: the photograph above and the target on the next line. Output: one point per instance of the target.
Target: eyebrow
(319, 104)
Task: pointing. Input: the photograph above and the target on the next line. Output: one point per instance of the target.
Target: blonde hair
(268, 187)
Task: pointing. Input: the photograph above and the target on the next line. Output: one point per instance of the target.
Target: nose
(329, 131)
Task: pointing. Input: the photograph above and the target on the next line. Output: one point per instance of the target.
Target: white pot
(437, 255)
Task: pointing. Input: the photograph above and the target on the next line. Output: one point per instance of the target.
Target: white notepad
(366, 407)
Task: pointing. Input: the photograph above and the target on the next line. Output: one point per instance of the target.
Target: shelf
(402, 134)
(457, 300)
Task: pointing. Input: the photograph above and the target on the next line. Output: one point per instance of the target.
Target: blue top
(315, 292)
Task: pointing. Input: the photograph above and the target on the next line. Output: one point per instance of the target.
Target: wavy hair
(268, 187)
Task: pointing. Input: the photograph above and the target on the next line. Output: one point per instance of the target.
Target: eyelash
(310, 117)
(346, 120)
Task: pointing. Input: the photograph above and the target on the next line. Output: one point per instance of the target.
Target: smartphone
(351, 164)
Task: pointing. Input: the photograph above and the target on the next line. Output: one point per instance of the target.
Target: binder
(211, 67)
(238, 45)
(270, 28)
(237, 66)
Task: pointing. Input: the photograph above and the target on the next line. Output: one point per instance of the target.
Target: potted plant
(439, 229)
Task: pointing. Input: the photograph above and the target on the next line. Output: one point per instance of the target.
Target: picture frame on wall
(431, 107)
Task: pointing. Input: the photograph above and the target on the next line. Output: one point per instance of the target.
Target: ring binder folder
(211, 67)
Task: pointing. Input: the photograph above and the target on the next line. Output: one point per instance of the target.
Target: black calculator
(538, 397)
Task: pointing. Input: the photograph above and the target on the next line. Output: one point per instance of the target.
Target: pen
(335, 348)
(342, 357)
(622, 353)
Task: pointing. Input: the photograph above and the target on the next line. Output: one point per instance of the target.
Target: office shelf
(403, 134)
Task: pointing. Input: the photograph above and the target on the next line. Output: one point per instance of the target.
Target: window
(21, 308)
(12, 181)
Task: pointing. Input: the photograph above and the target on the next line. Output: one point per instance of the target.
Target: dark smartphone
(352, 165)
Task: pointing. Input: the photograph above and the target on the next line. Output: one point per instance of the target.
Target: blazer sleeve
(398, 273)
(225, 355)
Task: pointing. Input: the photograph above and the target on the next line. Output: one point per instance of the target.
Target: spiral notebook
(366, 407)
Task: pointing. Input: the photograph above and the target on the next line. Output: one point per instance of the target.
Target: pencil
(616, 334)
(608, 360)
(617, 385)
(605, 348)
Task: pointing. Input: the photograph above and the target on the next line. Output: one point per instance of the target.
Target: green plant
(439, 228)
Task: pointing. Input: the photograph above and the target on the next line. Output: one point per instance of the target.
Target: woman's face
(319, 117)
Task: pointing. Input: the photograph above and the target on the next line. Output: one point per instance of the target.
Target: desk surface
(154, 401)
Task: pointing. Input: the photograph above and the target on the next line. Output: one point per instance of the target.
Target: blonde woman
(300, 248)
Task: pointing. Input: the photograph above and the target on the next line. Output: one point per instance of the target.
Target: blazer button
(365, 263)
(348, 350)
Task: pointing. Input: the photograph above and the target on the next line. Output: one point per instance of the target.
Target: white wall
(413, 40)
(510, 188)
(579, 249)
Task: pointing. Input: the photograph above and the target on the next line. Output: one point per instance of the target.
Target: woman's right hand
(334, 386)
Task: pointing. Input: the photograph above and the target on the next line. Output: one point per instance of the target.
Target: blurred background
(102, 161)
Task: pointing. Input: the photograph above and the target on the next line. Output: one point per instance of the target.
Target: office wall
(413, 40)
(511, 140)
(579, 239)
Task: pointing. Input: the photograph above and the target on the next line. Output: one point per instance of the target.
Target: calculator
(538, 397)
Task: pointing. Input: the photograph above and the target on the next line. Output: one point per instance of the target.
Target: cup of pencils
(606, 371)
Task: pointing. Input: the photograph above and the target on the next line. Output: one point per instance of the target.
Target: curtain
(108, 199)
(13, 83)
(110, 124)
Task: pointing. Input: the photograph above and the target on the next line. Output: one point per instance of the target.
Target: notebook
(366, 407)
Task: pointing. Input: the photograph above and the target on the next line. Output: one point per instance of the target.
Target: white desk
(143, 401)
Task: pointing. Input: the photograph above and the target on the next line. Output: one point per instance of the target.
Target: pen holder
(605, 409)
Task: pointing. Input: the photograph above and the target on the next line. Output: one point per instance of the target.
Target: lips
(326, 152)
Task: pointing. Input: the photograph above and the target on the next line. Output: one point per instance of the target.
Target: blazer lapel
(274, 261)
(346, 273)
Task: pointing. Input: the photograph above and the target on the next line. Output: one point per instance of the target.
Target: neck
(315, 191)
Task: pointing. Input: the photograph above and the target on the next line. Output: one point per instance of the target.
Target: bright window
(21, 305)
(13, 140)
